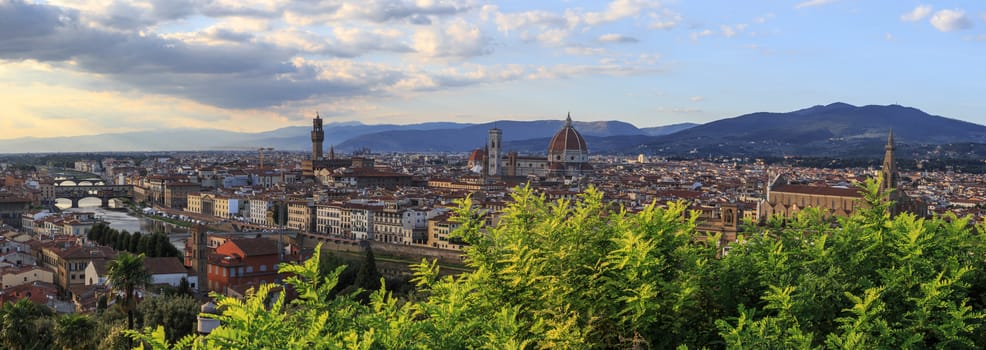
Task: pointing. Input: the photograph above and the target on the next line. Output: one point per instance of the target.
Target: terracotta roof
(80, 252)
(255, 246)
(567, 139)
(164, 266)
(818, 190)
(477, 155)
(100, 265)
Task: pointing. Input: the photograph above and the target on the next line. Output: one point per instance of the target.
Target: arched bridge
(103, 192)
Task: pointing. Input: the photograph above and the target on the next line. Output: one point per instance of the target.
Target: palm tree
(126, 274)
(17, 329)
(74, 332)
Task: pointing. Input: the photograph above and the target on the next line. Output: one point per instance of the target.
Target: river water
(121, 220)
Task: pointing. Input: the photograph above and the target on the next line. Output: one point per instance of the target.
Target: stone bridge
(103, 192)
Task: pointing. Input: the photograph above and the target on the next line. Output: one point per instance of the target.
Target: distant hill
(667, 129)
(295, 138)
(838, 129)
(474, 136)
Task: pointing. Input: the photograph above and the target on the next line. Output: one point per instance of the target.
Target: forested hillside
(579, 275)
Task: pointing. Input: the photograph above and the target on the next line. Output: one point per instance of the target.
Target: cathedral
(567, 157)
(786, 200)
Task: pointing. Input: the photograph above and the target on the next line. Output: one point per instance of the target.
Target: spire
(889, 174)
(568, 120)
(317, 116)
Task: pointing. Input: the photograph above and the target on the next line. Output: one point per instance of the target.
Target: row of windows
(235, 271)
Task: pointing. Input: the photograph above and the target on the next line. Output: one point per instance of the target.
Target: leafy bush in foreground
(578, 275)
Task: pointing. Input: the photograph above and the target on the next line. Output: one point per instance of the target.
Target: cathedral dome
(566, 142)
(477, 155)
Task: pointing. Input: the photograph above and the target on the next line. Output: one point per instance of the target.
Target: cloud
(619, 9)
(731, 31)
(919, 13)
(553, 29)
(254, 55)
(456, 40)
(585, 51)
(811, 3)
(381, 11)
(665, 19)
(950, 20)
(679, 110)
(617, 38)
(697, 99)
(701, 34)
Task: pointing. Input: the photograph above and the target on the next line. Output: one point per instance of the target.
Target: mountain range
(837, 129)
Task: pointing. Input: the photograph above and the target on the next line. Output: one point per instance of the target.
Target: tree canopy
(581, 275)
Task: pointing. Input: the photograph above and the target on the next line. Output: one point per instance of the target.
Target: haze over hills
(474, 136)
(837, 130)
(667, 129)
(295, 138)
(432, 136)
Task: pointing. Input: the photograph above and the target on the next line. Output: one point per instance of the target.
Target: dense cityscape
(399, 204)
(482, 174)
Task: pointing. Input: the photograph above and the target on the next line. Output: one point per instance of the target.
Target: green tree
(146, 245)
(134, 243)
(368, 278)
(124, 242)
(75, 331)
(18, 328)
(176, 314)
(582, 274)
(126, 273)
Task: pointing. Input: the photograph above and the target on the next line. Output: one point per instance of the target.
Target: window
(263, 268)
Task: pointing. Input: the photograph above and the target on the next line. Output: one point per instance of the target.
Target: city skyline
(77, 68)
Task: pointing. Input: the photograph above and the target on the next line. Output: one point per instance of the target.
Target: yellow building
(15, 276)
(439, 229)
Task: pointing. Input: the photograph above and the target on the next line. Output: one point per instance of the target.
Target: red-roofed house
(168, 270)
(242, 260)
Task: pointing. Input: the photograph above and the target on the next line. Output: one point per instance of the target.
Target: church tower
(888, 175)
(200, 254)
(493, 155)
(318, 136)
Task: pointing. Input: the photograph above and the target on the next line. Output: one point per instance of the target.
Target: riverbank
(166, 220)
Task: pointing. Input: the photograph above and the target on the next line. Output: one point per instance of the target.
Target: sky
(74, 67)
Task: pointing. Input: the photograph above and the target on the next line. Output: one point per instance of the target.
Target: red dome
(567, 139)
(477, 155)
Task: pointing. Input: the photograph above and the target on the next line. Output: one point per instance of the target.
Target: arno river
(121, 220)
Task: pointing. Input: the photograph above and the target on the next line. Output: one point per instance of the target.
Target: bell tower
(888, 175)
(318, 136)
(493, 155)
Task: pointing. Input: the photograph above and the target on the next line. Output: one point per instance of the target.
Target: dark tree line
(152, 245)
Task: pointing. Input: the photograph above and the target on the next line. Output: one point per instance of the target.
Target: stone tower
(888, 175)
(318, 136)
(493, 147)
(200, 255)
